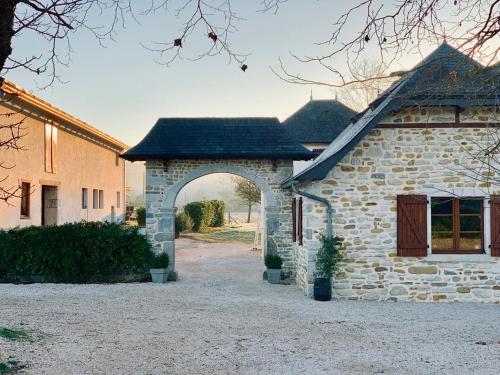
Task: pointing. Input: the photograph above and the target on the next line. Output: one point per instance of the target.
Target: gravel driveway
(221, 318)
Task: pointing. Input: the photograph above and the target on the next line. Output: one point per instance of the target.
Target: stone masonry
(363, 190)
(164, 180)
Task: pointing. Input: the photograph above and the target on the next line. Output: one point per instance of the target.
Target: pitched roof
(319, 121)
(217, 138)
(445, 78)
(18, 93)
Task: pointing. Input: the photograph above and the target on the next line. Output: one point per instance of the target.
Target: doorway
(49, 205)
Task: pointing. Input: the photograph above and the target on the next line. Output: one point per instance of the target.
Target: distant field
(244, 233)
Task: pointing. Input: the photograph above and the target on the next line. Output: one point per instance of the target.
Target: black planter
(322, 289)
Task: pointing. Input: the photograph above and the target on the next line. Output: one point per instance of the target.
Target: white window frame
(456, 193)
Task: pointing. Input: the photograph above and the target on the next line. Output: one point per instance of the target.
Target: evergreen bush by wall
(74, 253)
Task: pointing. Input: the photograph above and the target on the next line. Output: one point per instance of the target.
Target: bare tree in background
(366, 87)
(386, 30)
(248, 191)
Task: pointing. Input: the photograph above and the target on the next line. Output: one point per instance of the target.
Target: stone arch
(165, 179)
(171, 194)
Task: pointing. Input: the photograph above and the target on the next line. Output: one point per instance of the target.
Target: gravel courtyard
(221, 318)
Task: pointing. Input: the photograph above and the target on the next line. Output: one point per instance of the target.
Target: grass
(241, 233)
(10, 367)
(12, 334)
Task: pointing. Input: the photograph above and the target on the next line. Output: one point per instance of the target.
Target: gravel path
(221, 318)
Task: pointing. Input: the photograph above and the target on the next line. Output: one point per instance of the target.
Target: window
(117, 160)
(85, 198)
(101, 199)
(317, 151)
(457, 225)
(95, 198)
(118, 198)
(50, 148)
(25, 199)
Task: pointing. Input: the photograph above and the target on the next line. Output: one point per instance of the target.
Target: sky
(121, 90)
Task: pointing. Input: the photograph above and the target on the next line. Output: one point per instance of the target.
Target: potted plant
(159, 267)
(327, 265)
(273, 263)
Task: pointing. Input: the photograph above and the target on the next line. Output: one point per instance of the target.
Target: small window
(317, 151)
(95, 198)
(118, 199)
(457, 225)
(117, 160)
(101, 199)
(25, 199)
(85, 198)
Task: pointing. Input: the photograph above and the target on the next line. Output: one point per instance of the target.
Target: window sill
(23, 217)
(476, 258)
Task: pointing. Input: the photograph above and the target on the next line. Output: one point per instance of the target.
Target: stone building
(66, 170)
(412, 184)
(180, 150)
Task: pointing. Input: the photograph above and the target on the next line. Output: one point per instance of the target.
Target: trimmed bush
(273, 261)
(218, 220)
(141, 216)
(183, 222)
(205, 214)
(160, 261)
(74, 253)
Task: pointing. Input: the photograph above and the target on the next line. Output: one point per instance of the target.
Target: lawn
(242, 233)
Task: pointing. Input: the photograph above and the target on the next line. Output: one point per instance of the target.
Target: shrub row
(74, 253)
(206, 214)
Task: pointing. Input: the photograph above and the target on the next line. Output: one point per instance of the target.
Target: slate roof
(445, 78)
(319, 121)
(218, 138)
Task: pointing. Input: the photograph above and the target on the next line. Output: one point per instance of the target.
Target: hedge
(74, 253)
(141, 216)
(205, 214)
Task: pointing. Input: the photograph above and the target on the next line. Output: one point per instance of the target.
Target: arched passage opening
(230, 242)
(267, 215)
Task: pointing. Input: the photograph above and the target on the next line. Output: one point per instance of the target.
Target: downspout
(329, 210)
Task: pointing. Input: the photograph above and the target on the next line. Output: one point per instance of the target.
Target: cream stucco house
(67, 170)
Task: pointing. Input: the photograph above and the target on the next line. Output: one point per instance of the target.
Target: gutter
(329, 210)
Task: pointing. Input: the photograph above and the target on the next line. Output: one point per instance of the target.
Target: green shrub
(160, 261)
(141, 216)
(218, 207)
(328, 256)
(273, 261)
(183, 222)
(74, 253)
(205, 214)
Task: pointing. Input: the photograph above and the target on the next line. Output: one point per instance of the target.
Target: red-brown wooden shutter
(495, 225)
(412, 225)
(300, 222)
(294, 219)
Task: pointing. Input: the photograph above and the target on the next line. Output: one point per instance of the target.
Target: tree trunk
(249, 211)
(7, 11)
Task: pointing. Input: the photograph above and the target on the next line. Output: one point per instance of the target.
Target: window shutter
(294, 219)
(54, 148)
(300, 223)
(495, 225)
(48, 148)
(412, 225)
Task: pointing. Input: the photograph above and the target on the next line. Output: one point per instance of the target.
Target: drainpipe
(329, 210)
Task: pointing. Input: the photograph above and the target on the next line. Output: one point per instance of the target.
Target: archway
(164, 180)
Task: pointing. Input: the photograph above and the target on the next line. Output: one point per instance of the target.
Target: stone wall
(363, 190)
(164, 180)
